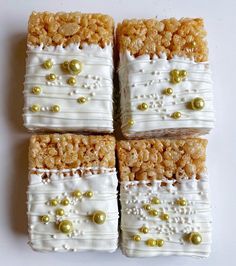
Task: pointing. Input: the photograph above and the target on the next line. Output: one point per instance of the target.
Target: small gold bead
(82, 100)
(174, 73)
(168, 91)
(182, 202)
(151, 242)
(131, 122)
(147, 207)
(198, 104)
(45, 219)
(36, 90)
(55, 108)
(176, 115)
(192, 44)
(137, 238)
(195, 238)
(35, 108)
(48, 64)
(165, 217)
(51, 77)
(160, 242)
(65, 202)
(71, 81)
(60, 212)
(155, 200)
(183, 73)
(77, 194)
(88, 194)
(175, 80)
(143, 106)
(65, 226)
(99, 217)
(153, 212)
(53, 202)
(75, 66)
(144, 230)
(65, 66)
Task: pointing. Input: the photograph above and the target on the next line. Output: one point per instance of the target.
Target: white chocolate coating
(94, 82)
(86, 234)
(194, 217)
(143, 80)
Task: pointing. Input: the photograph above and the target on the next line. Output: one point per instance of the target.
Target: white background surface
(220, 17)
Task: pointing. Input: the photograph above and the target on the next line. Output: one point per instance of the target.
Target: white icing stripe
(86, 234)
(94, 82)
(194, 217)
(143, 80)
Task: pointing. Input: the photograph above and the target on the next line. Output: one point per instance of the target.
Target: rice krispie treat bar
(72, 193)
(165, 80)
(69, 69)
(165, 208)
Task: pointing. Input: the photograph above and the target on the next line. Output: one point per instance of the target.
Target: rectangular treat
(69, 70)
(165, 208)
(165, 79)
(72, 193)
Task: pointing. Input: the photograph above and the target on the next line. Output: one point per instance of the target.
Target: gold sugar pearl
(168, 91)
(143, 106)
(198, 104)
(137, 238)
(195, 238)
(160, 242)
(175, 80)
(176, 115)
(153, 212)
(35, 108)
(75, 66)
(65, 65)
(71, 81)
(182, 202)
(65, 226)
(51, 77)
(53, 202)
(183, 73)
(99, 217)
(192, 44)
(65, 202)
(60, 212)
(144, 230)
(82, 100)
(174, 73)
(45, 219)
(155, 200)
(131, 122)
(147, 207)
(55, 108)
(36, 90)
(48, 64)
(165, 217)
(151, 242)
(88, 194)
(77, 194)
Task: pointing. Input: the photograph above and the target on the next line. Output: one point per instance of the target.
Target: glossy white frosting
(194, 217)
(86, 234)
(94, 82)
(143, 80)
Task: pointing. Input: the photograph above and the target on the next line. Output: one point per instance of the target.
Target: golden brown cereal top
(64, 28)
(184, 37)
(156, 159)
(64, 151)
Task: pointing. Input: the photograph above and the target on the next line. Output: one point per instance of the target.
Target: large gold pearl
(65, 226)
(53, 202)
(195, 238)
(35, 108)
(151, 242)
(137, 238)
(153, 212)
(197, 104)
(48, 64)
(71, 81)
(182, 202)
(176, 115)
(45, 219)
(82, 100)
(160, 242)
(65, 202)
(75, 66)
(36, 90)
(99, 217)
(168, 91)
(143, 106)
(51, 77)
(60, 212)
(155, 200)
(88, 194)
(55, 108)
(165, 217)
(77, 194)
(144, 230)
(147, 207)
